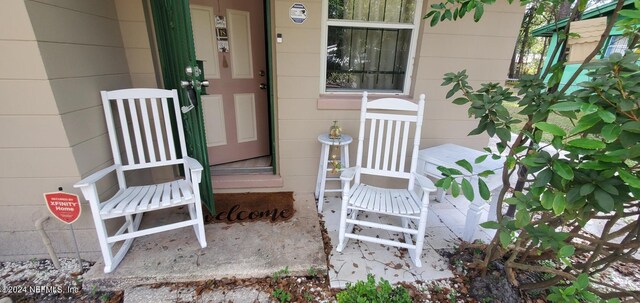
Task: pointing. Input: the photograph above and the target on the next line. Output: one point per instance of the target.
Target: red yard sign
(64, 206)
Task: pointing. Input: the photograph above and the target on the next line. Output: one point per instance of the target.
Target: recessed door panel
(204, 39)
(240, 43)
(245, 117)
(214, 120)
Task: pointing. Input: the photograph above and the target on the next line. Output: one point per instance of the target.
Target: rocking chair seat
(385, 200)
(138, 199)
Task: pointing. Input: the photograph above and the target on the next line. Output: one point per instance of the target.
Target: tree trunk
(526, 28)
(545, 43)
(521, 44)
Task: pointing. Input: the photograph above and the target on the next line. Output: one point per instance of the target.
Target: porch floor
(445, 225)
(259, 249)
(241, 250)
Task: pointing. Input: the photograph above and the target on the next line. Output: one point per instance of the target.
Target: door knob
(263, 86)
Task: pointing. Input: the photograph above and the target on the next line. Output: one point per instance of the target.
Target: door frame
(271, 85)
(269, 54)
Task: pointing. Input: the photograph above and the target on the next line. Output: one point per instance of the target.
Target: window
(370, 45)
(617, 44)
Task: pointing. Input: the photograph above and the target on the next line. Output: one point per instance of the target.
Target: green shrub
(281, 295)
(369, 292)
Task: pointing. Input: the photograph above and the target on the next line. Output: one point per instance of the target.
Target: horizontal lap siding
(67, 52)
(135, 39)
(483, 48)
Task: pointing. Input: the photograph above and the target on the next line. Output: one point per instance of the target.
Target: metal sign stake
(75, 242)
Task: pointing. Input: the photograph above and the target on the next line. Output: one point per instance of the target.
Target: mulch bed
(249, 207)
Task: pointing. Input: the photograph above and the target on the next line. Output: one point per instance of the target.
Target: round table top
(344, 140)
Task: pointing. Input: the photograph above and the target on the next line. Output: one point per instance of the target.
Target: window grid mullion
(380, 56)
(395, 57)
(366, 55)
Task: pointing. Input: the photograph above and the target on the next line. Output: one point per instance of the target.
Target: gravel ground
(39, 281)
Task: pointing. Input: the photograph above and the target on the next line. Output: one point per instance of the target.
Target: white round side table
(323, 168)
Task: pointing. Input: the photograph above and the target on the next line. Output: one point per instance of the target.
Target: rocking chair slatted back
(148, 142)
(391, 121)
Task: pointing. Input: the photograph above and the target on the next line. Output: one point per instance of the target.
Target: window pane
(617, 44)
(389, 11)
(371, 59)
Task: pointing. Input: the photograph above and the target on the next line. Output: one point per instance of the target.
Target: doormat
(248, 207)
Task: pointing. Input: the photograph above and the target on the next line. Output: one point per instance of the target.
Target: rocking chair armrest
(95, 177)
(195, 168)
(349, 173)
(424, 183)
(192, 164)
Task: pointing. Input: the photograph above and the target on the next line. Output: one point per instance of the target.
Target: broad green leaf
(490, 225)
(586, 189)
(604, 200)
(522, 218)
(608, 188)
(585, 123)
(467, 189)
(582, 5)
(455, 188)
(632, 126)
(566, 106)
(610, 132)
(504, 134)
(460, 101)
(542, 178)
(486, 173)
(512, 201)
(479, 11)
(630, 179)
(583, 280)
(606, 116)
(511, 162)
(630, 13)
(480, 159)
(566, 251)
(588, 108)
(547, 199)
(551, 128)
(563, 169)
(447, 182)
(483, 189)
(435, 18)
(465, 164)
(587, 143)
(559, 203)
(505, 238)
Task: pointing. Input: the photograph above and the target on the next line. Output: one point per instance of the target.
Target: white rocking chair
(147, 144)
(389, 121)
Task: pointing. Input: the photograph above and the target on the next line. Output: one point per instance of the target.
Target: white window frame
(415, 28)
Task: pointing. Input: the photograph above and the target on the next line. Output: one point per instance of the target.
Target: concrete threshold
(241, 250)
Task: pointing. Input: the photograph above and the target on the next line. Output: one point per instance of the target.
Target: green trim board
(176, 50)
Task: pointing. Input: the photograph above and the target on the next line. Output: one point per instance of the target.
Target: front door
(176, 52)
(230, 39)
